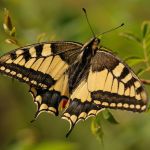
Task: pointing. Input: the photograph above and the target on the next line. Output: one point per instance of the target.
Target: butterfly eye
(97, 41)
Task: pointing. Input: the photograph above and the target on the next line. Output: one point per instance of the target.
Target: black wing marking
(41, 64)
(114, 85)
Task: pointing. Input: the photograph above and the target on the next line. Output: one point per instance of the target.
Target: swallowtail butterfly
(81, 78)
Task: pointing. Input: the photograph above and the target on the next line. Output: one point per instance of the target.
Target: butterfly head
(94, 44)
(96, 41)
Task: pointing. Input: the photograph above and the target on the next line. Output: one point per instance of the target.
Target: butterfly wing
(109, 83)
(81, 105)
(44, 67)
(114, 85)
(40, 64)
(49, 100)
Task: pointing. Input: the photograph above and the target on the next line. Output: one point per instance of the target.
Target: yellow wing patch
(81, 92)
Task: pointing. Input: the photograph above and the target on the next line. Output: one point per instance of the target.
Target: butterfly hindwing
(81, 105)
(49, 100)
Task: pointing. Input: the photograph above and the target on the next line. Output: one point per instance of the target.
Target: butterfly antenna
(84, 10)
(112, 29)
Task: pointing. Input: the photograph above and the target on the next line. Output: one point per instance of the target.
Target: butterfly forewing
(114, 85)
(40, 64)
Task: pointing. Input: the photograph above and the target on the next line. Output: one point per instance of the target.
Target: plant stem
(146, 70)
(145, 53)
(145, 81)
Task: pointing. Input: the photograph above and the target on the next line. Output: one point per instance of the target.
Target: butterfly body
(82, 78)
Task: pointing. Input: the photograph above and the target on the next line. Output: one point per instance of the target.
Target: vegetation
(46, 21)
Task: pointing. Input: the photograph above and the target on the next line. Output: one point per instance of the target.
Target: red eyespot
(63, 104)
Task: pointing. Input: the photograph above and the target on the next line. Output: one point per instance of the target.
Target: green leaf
(11, 41)
(13, 32)
(148, 37)
(133, 60)
(145, 27)
(139, 71)
(130, 36)
(41, 37)
(7, 24)
(148, 53)
(96, 128)
(109, 117)
(143, 71)
(147, 41)
(148, 108)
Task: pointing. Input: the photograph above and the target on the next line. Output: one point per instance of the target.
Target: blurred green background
(64, 20)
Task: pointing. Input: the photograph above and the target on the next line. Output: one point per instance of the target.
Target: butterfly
(82, 79)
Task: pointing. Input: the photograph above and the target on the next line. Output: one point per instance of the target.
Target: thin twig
(145, 81)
